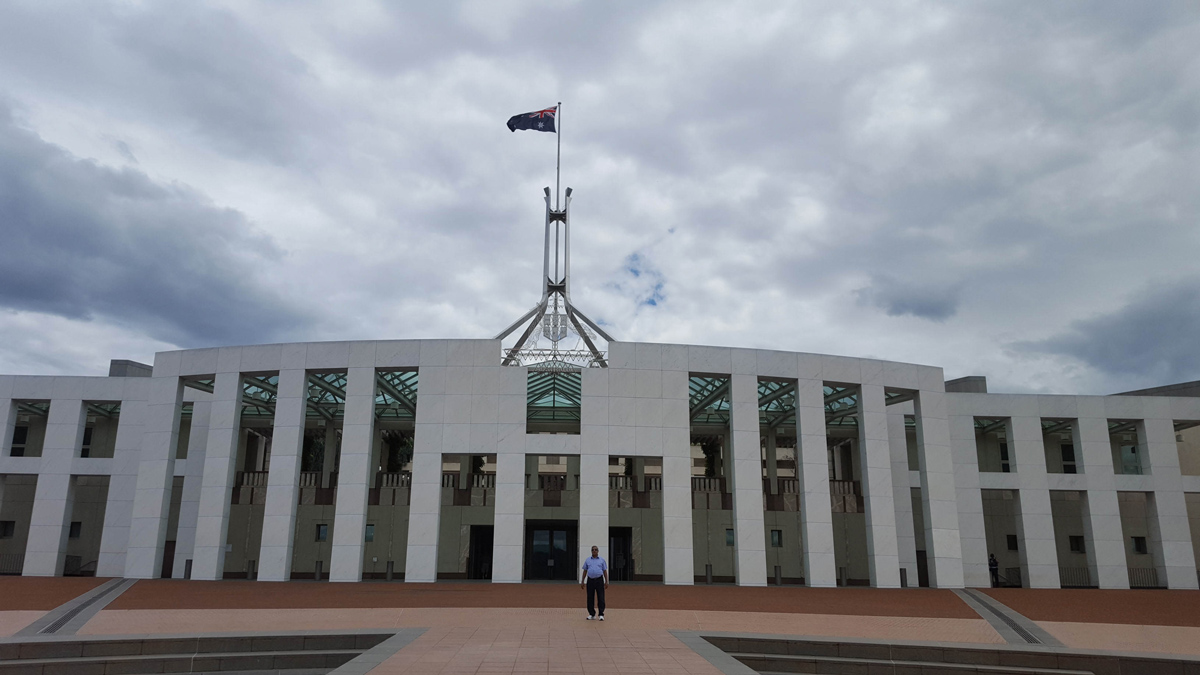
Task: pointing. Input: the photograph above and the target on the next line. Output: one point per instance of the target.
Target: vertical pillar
(938, 494)
(8, 423)
(906, 541)
(212, 519)
(750, 563)
(424, 511)
(1169, 530)
(509, 538)
(772, 460)
(639, 474)
(875, 458)
(122, 483)
(972, 538)
(193, 482)
(156, 470)
(593, 505)
(350, 516)
(329, 459)
(54, 496)
(1105, 537)
(1038, 551)
(812, 460)
(283, 477)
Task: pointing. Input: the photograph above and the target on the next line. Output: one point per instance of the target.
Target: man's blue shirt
(596, 567)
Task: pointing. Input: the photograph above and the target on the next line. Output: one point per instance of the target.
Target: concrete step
(837, 665)
(289, 661)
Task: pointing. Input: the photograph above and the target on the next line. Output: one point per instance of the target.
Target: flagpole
(558, 158)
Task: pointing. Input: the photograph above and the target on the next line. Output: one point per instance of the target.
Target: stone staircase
(315, 653)
(836, 657)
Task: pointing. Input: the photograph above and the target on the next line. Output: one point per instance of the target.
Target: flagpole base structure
(554, 317)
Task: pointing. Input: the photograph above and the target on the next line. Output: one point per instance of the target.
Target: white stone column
(973, 538)
(906, 541)
(812, 460)
(8, 423)
(283, 478)
(193, 481)
(212, 520)
(1169, 530)
(1038, 551)
(750, 566)
(54, 497)
(593, 506)
(1105, 538)
(679, 565)
(122, 483)
(509, 538)
(875, 458)
(156, 469)
(350, 516)
(938, 493)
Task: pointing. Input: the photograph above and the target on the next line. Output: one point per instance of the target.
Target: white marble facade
(468, 403)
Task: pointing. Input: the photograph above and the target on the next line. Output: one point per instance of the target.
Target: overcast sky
(1001, 189)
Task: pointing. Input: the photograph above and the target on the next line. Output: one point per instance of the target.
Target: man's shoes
(590, 617)
(601, 617)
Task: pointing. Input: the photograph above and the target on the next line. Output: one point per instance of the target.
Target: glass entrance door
(550, 550)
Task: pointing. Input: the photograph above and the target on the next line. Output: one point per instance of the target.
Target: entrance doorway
(550, 550)
(620, 553)
(479, 564)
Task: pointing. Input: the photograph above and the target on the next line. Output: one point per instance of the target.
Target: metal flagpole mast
(558, 158)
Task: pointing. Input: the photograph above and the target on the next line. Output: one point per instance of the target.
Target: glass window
(1012, 542)
(1076, 543)
(1139, 545)
(729, 537)
(1068, 457)
(1004, 464)
(322, 532)
(76, 529)
(7, 528)
(777, 538)
(370, 532)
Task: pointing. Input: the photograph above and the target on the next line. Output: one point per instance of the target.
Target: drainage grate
(57, 624)
(1008, 621)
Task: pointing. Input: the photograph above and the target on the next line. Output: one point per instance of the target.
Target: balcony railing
(653, 483)
(12, 563)
(310, 479)
(620, 482)
(1143, 577)
(552, 482)
(1074, 577)
(449, 479)
(401, 479)
(708, 484)
(483, 480)
(251, 479)
(845, 496)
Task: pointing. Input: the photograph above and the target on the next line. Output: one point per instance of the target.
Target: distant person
(595, 580)
(994, 568)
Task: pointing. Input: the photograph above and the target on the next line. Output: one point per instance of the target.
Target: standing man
(994, 568)
(595, 580)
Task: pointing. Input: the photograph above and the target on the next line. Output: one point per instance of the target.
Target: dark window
(1004, 465)
(7, 528)
(1012, 542)
(322, 532)
(777, 538)
(19, 439)
(1139, 545)
(729, 537)
(1076, 544)
(76, 528)
(370, 532)
(86, 450)
(1068, 457)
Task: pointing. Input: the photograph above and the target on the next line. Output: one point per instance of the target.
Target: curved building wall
(924, 461)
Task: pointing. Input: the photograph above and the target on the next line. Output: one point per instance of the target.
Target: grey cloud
(1151, 339)
(899, 298)
(84, 241)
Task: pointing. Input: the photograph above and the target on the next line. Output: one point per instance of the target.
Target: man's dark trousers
(595, 587)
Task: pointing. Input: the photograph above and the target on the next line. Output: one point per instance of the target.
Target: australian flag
(542, 120)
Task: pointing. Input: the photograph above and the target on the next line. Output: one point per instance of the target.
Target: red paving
(42, 593)
(173, 594)
(1136, 607)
